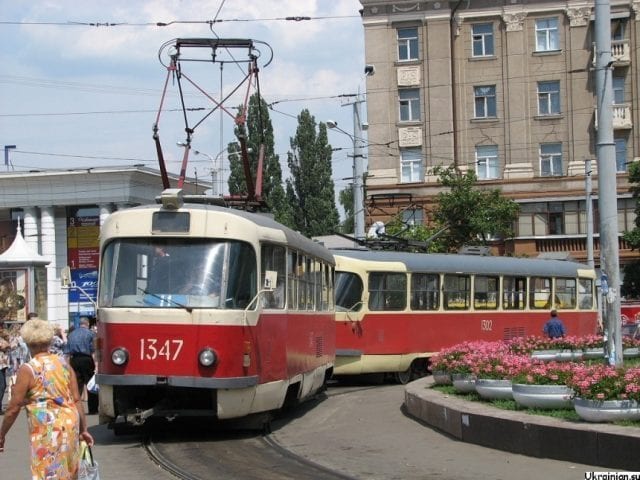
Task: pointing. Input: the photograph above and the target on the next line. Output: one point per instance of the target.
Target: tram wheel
(403, 377)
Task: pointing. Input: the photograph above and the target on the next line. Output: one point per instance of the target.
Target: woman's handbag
(88, 469)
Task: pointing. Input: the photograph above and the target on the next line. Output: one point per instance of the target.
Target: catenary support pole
(607, 188)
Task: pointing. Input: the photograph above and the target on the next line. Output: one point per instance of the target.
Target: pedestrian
(554, 328)
(80, 349)
(46, 386)
(58, 345)
(5, 362)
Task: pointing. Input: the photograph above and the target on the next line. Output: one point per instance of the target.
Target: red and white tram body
(208, 311)
(394, 310)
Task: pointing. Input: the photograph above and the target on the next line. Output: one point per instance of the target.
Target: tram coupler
(139, 417)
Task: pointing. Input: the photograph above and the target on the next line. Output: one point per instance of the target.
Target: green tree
(631, 286)
(345, 197)
(258, 131)
(310, 191)
(471, 214)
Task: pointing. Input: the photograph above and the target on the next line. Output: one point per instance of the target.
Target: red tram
(394, 310)
(209, 311)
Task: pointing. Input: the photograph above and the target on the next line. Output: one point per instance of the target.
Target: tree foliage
(310, 191)
(472, 215)
(258, 131)
(345, 197)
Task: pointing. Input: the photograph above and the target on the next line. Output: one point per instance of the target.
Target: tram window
(514, 293)
(349, 290)
(273, 258)
(425, 291)
(585, 293)
(565, 295)
(387, 291)
(303, 289)
(292, 292)
(327, 289)
(485, 293)
(457, 292)
(242, 277)
(310, 280)
(540, 293)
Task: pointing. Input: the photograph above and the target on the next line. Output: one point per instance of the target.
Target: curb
(598, 444)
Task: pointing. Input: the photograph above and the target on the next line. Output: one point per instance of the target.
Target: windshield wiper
(165, 299)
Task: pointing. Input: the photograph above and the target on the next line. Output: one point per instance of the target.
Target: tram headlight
(119, 356)
(207, 357)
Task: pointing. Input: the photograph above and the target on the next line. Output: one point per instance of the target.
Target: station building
(50, 227)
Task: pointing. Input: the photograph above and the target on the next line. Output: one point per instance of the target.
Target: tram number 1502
(486, 325)
(153, 349)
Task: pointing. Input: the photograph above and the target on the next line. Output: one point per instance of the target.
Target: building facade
(60, 214)
(506, 88)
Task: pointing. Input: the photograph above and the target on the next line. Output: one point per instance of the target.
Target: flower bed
(589, 380)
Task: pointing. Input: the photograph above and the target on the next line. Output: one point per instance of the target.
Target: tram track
(229, 454)
(235, 458)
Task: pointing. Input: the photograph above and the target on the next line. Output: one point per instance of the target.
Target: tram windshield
(177, 273)
(348, 292)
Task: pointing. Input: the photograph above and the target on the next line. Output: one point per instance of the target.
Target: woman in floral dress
(48, 389)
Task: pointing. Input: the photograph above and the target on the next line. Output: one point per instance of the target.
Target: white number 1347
(152, 348)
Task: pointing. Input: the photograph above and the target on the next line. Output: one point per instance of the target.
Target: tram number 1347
(486, 325)
(153, 349)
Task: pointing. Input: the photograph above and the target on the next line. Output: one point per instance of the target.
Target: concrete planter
(606, 410)
(494, 389)
(543, 396)
(463, 382)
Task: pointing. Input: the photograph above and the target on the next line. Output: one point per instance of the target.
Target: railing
(572, 244)
(620, 53)
(621, 116)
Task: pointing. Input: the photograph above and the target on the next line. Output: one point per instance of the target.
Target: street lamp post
(358, 167)
(214, 170)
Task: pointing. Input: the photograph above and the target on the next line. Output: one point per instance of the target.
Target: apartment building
(506, 88)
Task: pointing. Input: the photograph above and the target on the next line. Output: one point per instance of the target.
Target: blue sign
(86, 279)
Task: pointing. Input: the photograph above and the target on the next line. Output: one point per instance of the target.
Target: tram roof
(294, 239)
(456, 263)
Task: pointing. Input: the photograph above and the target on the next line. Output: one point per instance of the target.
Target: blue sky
(76, 96)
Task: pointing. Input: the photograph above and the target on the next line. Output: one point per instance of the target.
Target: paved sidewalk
(121, 458)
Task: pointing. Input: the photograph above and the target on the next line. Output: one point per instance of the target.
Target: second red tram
(394, 310)
(209, 311)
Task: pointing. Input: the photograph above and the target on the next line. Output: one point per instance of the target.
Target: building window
(485, 101)
(621, 154)
(552, 218)
(626, 214)
(487, 162)
(409, 105)
(551, 159)
(549, 98)
(482, 39)
(617, 83)
(413, 216)
(618, 27)
(547, 35)
(407, 44)
(411, 165)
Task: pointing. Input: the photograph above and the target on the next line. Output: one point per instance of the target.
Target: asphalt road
(366, 435)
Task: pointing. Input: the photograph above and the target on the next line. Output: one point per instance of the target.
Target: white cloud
(321, 57)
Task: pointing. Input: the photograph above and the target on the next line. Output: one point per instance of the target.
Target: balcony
(621, 117)
(620, 53)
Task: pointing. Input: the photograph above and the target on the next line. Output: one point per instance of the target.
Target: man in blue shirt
(80, 348)
(554, 328)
